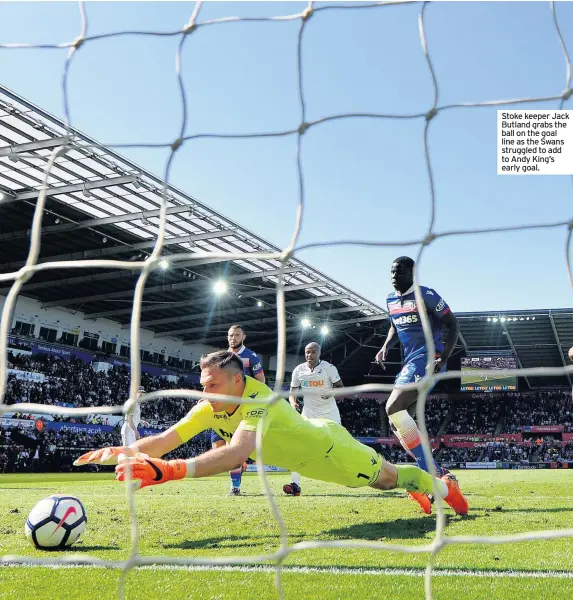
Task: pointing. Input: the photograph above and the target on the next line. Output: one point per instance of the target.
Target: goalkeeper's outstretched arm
(153, 445)
(226, 458)
(153, 471)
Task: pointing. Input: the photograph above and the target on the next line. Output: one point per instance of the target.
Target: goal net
(299, 131)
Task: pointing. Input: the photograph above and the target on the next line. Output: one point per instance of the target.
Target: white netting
(25, 273)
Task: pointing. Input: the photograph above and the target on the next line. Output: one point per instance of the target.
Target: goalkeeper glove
(150, 471)
(103, 456)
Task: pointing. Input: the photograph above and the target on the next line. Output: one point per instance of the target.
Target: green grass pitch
(195, 519)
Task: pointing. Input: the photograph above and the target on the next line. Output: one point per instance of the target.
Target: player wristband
(190, 463)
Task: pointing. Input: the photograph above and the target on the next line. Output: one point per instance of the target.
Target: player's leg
(352, 464)
(401, 406)
(293, 488)
(414, 480)
(217, 442)
(127, 435)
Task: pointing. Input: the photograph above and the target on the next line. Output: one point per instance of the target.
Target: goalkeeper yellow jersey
(289, 440)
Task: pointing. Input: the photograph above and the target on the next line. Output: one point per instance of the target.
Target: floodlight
(220, 287)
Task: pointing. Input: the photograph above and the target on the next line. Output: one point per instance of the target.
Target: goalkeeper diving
(316, 448)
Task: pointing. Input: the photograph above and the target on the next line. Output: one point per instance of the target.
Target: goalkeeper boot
(292, 489)
(423, 500)
(234, 491)
(455, 498)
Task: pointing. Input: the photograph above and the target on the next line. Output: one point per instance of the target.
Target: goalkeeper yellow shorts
(348, 462)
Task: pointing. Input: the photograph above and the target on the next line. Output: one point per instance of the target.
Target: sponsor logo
(406, 320)
(429, 293)
(318, 383)
(217, 416)
(71, 511)
(254, 395)
(440, 306)
(258, 413)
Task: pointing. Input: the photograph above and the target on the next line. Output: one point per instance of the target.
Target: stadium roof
(100, 205)
(538, 338)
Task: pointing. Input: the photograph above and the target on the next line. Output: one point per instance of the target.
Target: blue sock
(418, 453)
(408, 433)
(236, 476)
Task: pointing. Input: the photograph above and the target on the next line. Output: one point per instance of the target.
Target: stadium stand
(85, 317)
(463, 429)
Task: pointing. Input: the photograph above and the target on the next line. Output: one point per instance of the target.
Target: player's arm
(257, 370)
(437, 306)
(295, 388)
(152, 471)
(192, 424)
(153, 445)
(293, 396)
(335, 379)
(221, 460)
(451, 322)
(390, 342)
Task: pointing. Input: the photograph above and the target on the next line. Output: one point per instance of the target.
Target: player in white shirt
(129, 433)
(313, 380)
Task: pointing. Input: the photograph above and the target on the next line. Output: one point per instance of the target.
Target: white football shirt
(315, 384)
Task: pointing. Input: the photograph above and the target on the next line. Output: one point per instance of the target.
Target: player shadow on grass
(227, 541)
(398, 528)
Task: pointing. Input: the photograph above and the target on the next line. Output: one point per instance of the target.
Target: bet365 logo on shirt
(406, 320)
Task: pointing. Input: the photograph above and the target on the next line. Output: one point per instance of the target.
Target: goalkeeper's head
(402, 274)
(222, 373)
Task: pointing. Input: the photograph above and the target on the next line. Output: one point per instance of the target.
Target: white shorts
(127, 435)
(332, 415)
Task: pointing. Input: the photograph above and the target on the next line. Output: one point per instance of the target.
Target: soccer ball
(56, 522)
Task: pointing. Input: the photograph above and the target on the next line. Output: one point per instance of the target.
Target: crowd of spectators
(539, 408)
(75, 383)
(454, 455)
(361, 416)
(476, 415)
(24, 451)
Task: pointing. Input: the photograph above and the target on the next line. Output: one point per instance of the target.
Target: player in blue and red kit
(253, 368)
(406, 326)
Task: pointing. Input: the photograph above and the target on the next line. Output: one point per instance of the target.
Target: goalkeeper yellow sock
(414, 479)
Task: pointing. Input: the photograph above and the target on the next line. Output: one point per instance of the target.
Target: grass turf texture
(195, 519)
